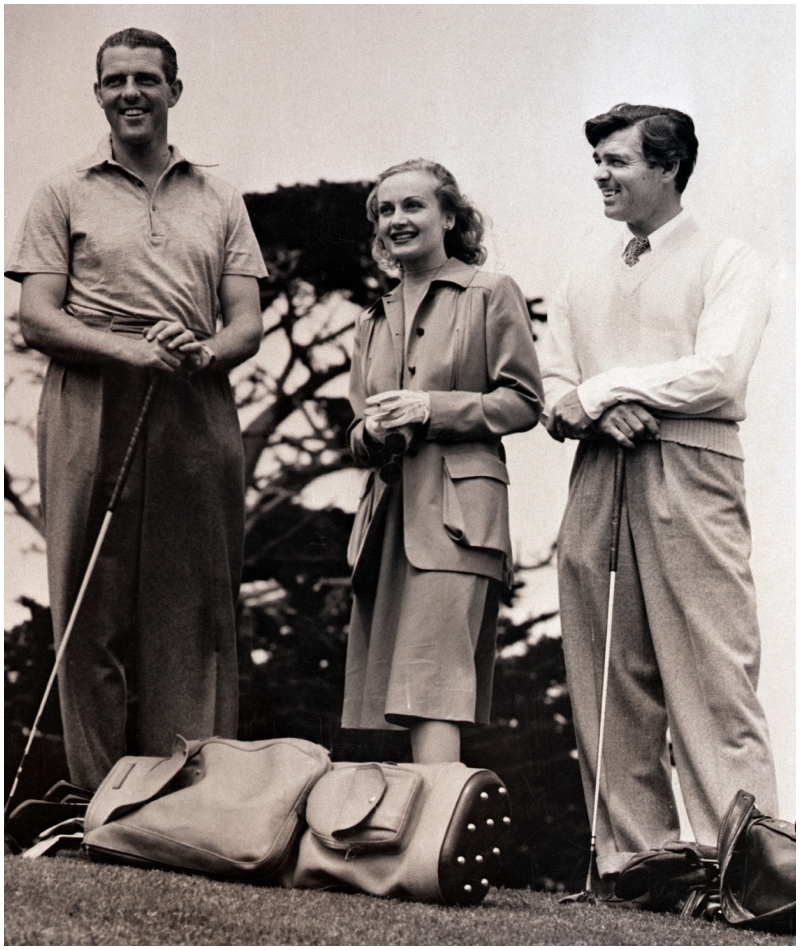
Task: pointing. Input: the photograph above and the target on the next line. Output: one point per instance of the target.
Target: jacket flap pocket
(476, 466)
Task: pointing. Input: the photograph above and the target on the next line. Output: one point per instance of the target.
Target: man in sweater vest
(650, 346)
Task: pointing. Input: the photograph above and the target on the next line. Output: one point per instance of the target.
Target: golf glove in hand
(399, 407)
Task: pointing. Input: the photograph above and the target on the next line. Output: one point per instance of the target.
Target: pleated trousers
(162, 597)
(685, 643)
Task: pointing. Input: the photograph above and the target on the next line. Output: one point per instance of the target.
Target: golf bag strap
(134, 781)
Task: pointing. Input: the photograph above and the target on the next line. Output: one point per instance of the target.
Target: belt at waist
(131, 324)
(716, 435)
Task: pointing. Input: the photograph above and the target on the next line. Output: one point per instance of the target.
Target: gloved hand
(398, 407)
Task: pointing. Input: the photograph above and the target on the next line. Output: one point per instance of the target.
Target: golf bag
(748, 880)
(278, 812)
(216, 806)
(758, 870)
(419, 832)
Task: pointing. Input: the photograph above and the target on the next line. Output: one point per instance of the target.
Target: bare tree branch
(23, 510)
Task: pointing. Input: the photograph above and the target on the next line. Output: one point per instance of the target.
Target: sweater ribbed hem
(716, 435)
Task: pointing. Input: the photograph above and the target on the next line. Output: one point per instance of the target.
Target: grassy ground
(67, 900)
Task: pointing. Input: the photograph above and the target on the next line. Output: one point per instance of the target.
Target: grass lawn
(68, 900)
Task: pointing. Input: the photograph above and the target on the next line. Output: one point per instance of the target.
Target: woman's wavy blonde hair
(463, 240)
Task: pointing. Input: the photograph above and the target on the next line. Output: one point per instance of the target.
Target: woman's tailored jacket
(471, 348)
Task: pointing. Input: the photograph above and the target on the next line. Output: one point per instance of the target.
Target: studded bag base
(421, 832)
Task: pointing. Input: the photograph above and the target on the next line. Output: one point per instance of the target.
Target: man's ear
(97, 93)
(175, 91)
(669, 172)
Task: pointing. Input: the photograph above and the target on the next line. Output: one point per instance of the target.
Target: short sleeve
(43, 243)
(242, 253)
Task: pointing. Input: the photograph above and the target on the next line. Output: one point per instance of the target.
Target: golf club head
(585, 897)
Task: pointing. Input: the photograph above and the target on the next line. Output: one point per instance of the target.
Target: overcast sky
(283, 94)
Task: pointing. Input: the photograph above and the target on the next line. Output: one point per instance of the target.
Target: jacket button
(412, 370)
(420, 331)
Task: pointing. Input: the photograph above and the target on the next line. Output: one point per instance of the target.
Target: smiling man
(137, 264)
(650, 346)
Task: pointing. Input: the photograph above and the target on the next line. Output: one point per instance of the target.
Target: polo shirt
(133, 255)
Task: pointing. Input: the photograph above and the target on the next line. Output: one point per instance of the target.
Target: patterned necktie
(636, 247)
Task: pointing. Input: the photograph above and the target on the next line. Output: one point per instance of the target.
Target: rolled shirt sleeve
(560, 370)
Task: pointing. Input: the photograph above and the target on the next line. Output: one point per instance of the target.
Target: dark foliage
(530, 743)
(318, 234)
(28, 660)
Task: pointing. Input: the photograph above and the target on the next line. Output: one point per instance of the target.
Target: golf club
(586, 896)
(119, 485)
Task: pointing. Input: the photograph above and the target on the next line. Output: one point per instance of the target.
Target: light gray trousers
(685, 643)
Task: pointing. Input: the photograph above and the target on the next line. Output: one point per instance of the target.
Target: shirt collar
(104, 155)
(660, 235)
(453, 271)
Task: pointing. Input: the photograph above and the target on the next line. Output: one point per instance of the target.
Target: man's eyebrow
(612, 154)
(140, 74)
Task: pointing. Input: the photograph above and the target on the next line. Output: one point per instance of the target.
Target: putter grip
(131, 450)
(616, 515)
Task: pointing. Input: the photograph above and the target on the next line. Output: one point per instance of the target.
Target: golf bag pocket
(420, 832)
(216, 806)
(365, 807)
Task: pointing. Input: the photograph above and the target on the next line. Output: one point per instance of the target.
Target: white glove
(398, 407)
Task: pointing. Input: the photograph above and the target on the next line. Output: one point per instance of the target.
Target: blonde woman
(443, 366)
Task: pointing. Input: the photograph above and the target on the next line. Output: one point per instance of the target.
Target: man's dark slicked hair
(132, 38)
(667, 135)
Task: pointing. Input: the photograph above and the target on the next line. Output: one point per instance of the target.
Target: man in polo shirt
(651, 343)
(138, 263)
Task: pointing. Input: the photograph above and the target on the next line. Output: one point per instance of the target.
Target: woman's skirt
(422, 645)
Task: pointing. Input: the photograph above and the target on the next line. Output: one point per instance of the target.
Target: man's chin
(135, 138)
(615, 214)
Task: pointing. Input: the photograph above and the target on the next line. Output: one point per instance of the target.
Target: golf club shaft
(119, 485)
(616, 519)
(601, 736)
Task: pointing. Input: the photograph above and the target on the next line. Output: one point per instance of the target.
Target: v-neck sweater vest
(677, 332)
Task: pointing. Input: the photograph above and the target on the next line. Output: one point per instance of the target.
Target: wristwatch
(212, 356)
